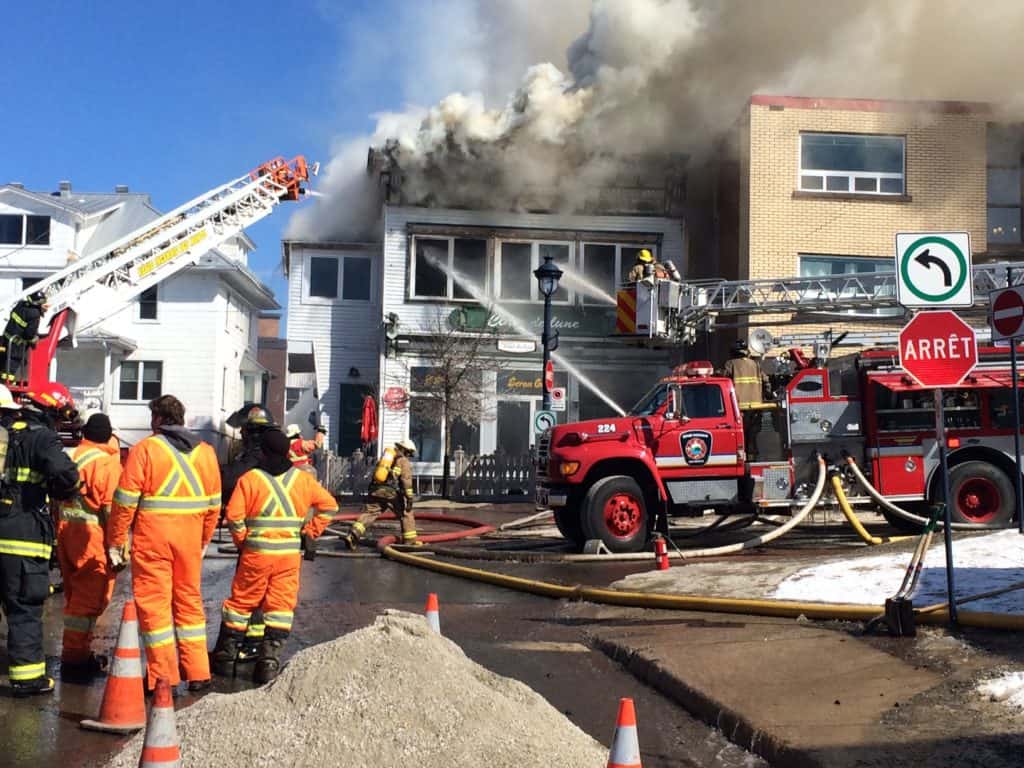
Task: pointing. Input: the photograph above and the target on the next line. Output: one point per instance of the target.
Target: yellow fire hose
(844, 504)
(777, 608)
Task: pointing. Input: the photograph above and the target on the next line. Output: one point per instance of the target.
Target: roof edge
(872, 105)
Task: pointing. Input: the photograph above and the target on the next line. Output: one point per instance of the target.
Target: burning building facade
(434, 264)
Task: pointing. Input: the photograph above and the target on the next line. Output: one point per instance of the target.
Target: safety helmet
(293, 430)
(645, 256)
(739, 346)
(37, 297)
(407, 445)
(258, 417)
(54, 398)
(7, 402)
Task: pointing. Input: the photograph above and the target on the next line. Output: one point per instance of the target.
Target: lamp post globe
(548, 274)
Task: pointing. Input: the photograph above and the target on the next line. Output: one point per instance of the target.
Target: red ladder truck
(95, 287)
(680, 449)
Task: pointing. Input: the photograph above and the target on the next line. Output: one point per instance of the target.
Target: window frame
(449, 296)
(826, 173)
(140, 368)
(339, 259)
(991, 129)
(882, 262)
(156, 305)
(535, 246)
(23, 240)
(620, 269)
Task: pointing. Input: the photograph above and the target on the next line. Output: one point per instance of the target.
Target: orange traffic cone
(625, 746)
(433, 614)
(162, 748)
(124, 708)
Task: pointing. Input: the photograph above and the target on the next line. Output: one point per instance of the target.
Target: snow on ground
(981, 563)
(1008, 688)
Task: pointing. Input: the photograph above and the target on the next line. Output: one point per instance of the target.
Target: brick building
(820, 186)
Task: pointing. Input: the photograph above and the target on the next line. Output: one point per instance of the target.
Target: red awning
(368, 429)
(901, 382)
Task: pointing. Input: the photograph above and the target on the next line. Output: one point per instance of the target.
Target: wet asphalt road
(536, 640)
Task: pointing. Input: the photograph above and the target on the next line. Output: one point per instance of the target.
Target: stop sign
(549, 376)
(938, 349)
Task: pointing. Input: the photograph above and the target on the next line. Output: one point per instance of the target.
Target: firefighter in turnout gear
(34, 466)
(390, 491)
(82, 550)
(21, 331)
(301, 451)
(751, 384)
(169, 497)
(265, 516)
(647, 267)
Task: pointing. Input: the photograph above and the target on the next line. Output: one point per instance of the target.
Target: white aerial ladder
(93, 288)
(664, 311)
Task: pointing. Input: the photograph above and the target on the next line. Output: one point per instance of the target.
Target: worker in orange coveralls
(169, 496)
(265, 516)
(82, 550)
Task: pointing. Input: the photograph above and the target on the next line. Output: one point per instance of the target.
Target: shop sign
(395, 398)
(517, 346)
(525, 382)
(569, 321)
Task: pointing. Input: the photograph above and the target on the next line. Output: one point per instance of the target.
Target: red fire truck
(680, 449)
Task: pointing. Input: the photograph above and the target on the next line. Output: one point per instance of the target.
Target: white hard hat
(7, 400)
(407, 445)
(294, 430)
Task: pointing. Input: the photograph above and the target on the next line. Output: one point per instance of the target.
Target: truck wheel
(614, 511)
(569, 524)
(981, 493)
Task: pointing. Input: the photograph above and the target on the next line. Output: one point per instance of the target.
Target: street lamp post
(548, 274)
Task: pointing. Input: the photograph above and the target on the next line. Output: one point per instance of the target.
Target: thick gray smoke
(648, 77)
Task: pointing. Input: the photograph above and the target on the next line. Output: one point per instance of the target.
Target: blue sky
(175, 98)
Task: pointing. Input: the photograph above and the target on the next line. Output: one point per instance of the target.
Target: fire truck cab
(680, 449)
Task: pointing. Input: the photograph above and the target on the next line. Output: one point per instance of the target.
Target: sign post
(933, 271)
(1006, 318)
(938, 349)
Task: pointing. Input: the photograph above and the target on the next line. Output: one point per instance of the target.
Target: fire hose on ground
(887, 505)
(936, 615)
(851, 517)
(678, 554)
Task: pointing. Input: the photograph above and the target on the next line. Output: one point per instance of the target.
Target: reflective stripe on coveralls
(169, 500)
(269, 539)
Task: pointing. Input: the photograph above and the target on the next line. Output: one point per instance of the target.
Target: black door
(352, 396)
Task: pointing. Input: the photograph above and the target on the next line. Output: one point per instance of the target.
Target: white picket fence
(491, 477)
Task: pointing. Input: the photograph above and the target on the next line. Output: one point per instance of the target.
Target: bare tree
(452, 389)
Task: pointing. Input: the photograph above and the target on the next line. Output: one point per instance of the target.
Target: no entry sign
(1006, 313)
(938, 349)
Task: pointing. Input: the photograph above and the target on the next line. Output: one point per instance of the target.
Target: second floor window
(148, 304)
(852, 163)
(449, 268)
(17, 229)
(345, 277)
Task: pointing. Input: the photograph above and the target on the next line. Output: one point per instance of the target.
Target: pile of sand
(392, 694)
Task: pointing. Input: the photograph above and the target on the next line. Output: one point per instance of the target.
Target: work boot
(41, 684)
(195, 686)
(83, 671)
(269, 662)
(225, 652)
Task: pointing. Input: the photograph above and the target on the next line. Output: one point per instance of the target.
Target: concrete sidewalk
(807, 694)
